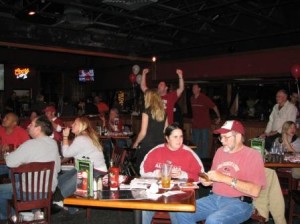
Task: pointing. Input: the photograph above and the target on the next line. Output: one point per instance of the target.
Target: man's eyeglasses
(225, 137)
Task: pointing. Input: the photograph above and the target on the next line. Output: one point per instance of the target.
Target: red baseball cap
(50, 109)
(231, 126)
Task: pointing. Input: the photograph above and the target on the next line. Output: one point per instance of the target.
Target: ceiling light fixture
(31, 13)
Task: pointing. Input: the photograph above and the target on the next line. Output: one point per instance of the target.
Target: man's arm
(143, 82)
(242, 186)
(215, 108)
(180, 89)
(269, 126)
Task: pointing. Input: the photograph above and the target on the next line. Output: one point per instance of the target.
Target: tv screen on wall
(86, 75)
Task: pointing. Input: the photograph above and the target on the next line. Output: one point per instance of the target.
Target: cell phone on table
(204, 176)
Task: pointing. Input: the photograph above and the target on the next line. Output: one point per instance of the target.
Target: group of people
(39, 144)
(235, 180)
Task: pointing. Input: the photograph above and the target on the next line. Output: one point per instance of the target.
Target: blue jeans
(200, 139)
(148, 215)
(4, 169)
(217, 209)
(6, 192)
(67, 182)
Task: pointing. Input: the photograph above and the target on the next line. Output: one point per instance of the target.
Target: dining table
(172, 200)
(286, 160)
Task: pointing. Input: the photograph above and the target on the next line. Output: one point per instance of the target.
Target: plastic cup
(166, 171)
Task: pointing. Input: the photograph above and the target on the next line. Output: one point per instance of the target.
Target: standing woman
(152, 126)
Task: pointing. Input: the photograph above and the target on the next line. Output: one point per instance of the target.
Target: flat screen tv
(86, 75)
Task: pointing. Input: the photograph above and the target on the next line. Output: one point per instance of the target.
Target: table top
(116, 135)
(184, 202)
(282, 161)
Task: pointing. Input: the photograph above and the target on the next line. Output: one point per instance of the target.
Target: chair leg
(88, 213)
(291, 210)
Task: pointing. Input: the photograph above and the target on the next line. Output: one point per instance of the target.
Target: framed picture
(23, 95)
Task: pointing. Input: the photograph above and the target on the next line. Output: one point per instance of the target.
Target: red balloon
(132, 78)
(295, 70)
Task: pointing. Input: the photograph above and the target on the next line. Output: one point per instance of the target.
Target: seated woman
(114, 123)
(85, 144)
(186, 164)
(288, 137)
(291, 142)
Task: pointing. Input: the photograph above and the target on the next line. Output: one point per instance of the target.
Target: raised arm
(143, 82)
(180, 89)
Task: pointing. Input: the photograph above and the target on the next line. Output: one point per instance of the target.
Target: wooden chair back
(32, 189)
(118, 155)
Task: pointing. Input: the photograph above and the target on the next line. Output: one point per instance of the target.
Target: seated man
(173, 153)
(237, 175)
(114, 123)
(57, 124)
(41, 148)
(11, 134)
(283, 111)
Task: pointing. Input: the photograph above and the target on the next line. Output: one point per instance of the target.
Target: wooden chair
(287, 183)
(32, 189)
(118, 155)
(295, 200)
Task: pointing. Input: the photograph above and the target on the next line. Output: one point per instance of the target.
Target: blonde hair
(85, 128)
(154, 103)
(286, 126)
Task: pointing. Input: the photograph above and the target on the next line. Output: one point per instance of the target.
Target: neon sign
(21, 73)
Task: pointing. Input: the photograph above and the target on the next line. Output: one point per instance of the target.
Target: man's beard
(228, 149)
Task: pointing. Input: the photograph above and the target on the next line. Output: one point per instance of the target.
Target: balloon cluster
(135, 77)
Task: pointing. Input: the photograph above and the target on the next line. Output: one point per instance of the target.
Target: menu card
(84, 177)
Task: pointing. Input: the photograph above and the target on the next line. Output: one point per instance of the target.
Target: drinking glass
(166, 171)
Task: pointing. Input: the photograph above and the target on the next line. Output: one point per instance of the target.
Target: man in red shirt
(11, 134)
(201, 121)
(170, 98)
(57, 124)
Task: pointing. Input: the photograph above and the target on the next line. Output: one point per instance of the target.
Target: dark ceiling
(167, 29)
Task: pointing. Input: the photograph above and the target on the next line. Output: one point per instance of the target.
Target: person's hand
(218, 120)
(215, 176)
(145, 71)
(102, 117)
(263, 135)
(176, 172)
(66, 132)
(179, 72)
(134, 145)
(5, 148)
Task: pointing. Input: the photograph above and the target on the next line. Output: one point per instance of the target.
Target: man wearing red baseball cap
(57, 124)
(236, 176)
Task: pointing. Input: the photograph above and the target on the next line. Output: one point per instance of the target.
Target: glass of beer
(166, 175)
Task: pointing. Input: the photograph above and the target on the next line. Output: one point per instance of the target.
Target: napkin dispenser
(258, 144)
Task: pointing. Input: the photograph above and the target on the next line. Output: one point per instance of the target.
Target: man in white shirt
(282, 111)
(41, 148)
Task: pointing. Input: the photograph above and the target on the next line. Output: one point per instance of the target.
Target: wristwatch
(233, 182)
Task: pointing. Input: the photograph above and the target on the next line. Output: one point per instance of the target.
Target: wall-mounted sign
(21, 73)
